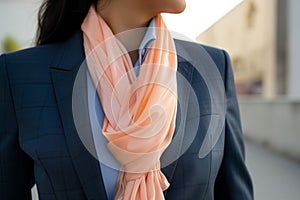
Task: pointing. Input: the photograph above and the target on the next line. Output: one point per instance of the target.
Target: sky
(198, 16)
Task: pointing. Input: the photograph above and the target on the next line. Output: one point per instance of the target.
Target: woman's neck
(126, 20)
(122, 16)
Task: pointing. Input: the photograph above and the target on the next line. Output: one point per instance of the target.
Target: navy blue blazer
(39, 143)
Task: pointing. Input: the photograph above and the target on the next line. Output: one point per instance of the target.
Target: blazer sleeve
(16, 168)
(233, 181)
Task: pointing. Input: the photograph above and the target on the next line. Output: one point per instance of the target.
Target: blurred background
(263, 40)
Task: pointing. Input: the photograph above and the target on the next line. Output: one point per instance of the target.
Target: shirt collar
(150, 35)
(147, 41)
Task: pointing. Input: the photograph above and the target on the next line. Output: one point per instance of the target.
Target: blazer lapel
(66, 68)
(184, 77)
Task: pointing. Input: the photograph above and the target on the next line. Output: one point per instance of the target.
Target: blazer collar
(64, 70)
(70, 54)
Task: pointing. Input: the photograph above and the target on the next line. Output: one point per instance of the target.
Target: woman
(145, 113)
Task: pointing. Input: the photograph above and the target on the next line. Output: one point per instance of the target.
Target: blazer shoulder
(29, 65)
(217, 54)
(196, 51)
(36, 54)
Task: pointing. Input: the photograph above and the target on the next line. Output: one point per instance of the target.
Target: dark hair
(59, 19)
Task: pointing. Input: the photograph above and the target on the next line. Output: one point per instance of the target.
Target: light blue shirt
(110, 174)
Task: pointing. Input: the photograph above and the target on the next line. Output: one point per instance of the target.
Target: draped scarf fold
(139, 111)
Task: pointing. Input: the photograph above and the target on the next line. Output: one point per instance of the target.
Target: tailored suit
(40, 144)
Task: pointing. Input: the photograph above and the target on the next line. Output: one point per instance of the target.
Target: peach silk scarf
(139, 111)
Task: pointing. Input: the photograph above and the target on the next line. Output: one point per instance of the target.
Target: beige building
(255, 33)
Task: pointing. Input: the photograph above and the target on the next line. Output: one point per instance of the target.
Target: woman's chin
(178, 8)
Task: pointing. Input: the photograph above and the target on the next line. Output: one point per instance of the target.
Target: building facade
(262, 38)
